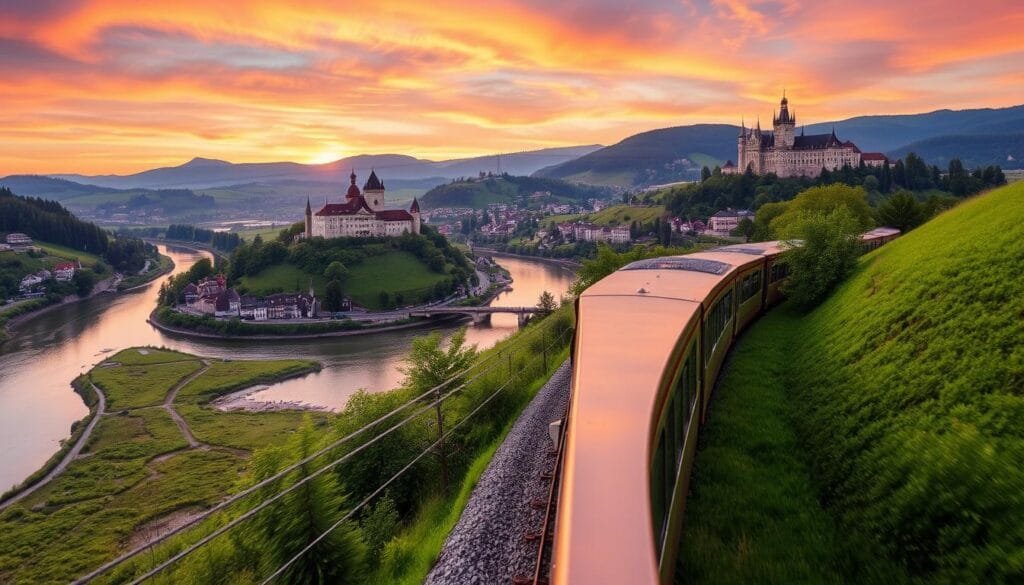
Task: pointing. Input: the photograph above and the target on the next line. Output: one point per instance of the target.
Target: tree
(705, 174)
(763, 218)
(827, 253)
(824, 200)
(307, 512)
(546, 304)
(380, 524)
(336, 271)
(745, 229)
(901, 211)
(429, 366)
(84, 281)
(333, 296)
(871, 183)
(665, 233)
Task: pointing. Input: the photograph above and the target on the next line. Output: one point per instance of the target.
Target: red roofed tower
(353, 191)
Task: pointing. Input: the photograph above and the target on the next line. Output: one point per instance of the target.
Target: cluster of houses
(62, 272)
(588, 232)
(212, 296)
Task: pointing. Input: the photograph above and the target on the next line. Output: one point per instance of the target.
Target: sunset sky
(123, 85)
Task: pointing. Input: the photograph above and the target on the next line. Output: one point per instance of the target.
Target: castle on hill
(787, 154)
(362, 214)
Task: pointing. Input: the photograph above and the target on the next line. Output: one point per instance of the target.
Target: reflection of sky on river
(37, 405)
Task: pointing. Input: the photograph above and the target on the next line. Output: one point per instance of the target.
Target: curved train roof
(629, 326)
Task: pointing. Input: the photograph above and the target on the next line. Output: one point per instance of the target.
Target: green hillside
(396, 272)
(885, 445)
(479, 193)
(651, 158)
(613, 215)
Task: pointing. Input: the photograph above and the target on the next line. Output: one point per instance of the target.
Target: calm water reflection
(37, 405)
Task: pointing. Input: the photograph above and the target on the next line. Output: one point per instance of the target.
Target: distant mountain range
(978, 137)
(201, 173)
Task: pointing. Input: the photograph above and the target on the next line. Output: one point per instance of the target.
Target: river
(38, 406)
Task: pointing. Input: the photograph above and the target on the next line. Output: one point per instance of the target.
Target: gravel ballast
(487, 544)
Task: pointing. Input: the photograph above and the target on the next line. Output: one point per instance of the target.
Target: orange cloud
(119, 85)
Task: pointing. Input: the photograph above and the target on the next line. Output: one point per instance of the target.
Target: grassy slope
(88, 513)
(902, 396)
(396, 271)
(613, 215)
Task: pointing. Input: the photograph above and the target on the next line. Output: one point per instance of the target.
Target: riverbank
(566, 263)
(109, 285)
(69, 448)
(135, 282)
(139, 470)
(155, 321)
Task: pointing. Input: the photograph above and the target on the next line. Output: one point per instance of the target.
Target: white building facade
(362, 215)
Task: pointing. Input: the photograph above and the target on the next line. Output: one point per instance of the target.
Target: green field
(136, 467)
(64, 253)
(139, 386)
(896, 423)
(395, 272)
(613, 215)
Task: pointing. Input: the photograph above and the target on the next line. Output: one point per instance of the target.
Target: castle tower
(785, 126)
(414, 211)
(309, 219)
(373, 191)
(353, 191)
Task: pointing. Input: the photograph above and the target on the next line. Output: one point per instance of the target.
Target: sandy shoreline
(241, 400)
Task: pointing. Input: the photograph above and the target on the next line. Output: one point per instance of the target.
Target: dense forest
(223, 241)
(49, 221)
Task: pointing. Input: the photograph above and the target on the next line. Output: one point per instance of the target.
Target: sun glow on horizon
(107, 86)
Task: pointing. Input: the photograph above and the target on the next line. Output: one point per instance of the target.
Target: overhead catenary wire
(277, 476)
(281, 569)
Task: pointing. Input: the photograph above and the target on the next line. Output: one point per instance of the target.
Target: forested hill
(506, 189)
(658, 156)
(49, 221)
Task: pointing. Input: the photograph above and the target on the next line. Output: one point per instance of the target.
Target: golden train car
(649, 343)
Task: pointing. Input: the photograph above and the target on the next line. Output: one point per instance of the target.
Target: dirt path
(70, 456)
(168, 405)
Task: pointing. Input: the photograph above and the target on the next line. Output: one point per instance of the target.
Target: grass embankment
(396, 272)
(403, 549)
(136, 468)
(156, 270)
(898, 413)
(614, 215)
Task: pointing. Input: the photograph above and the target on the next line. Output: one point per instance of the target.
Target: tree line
(49, 221)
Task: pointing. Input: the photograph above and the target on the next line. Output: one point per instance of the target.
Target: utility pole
(442, 454)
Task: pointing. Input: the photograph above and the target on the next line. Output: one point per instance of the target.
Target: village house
(18, 240)
(65, 271)
(726, 220)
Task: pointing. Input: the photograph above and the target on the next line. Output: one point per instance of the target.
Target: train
(650, 342)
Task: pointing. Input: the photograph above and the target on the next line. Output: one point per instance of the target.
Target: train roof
(625, 345)
(675, 277)
(881, 232)
(755, 248)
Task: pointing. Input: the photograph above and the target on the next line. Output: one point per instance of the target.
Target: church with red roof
(362, 214)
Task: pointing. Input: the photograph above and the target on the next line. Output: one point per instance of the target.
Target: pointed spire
(353, 176)
(309, 207)
(415, 207)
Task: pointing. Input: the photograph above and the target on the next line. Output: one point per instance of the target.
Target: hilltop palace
(362, 214)
(785, 154)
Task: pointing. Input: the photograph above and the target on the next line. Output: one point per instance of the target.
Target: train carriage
(651, 339)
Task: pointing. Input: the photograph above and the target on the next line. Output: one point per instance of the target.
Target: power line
(390, 480)
(122, 559)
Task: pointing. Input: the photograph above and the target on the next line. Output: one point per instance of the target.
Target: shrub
(824, 251)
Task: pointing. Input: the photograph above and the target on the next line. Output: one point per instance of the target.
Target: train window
(750, 286)
(780, 270)
(718, 318)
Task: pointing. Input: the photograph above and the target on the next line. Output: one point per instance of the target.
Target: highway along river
(37, 404)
